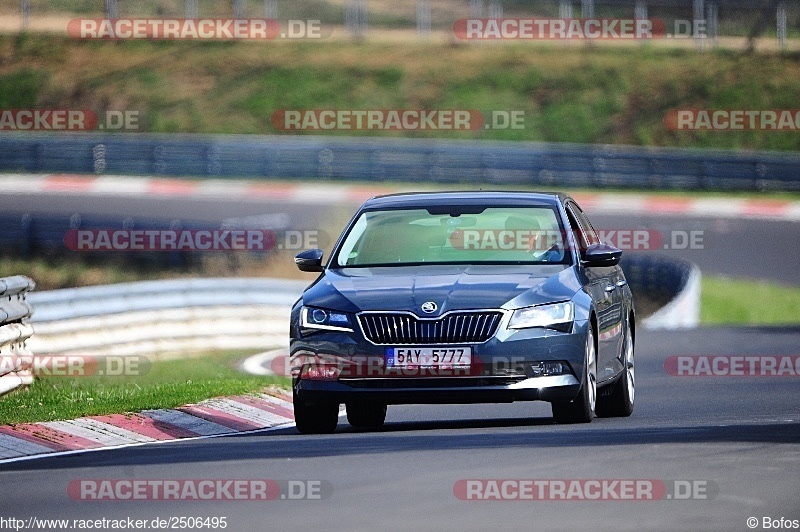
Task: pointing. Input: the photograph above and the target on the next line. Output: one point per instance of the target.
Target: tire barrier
(667, 289)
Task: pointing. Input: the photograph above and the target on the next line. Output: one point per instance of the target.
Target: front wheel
(315, 418)
(582, 408)
(620, 402)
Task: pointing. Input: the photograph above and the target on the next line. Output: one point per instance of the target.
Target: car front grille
(399, 328)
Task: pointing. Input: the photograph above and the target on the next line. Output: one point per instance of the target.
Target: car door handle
(622, 283)
(610, 288)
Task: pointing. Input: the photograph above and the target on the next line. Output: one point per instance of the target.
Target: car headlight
(557, 316)
(326, 320)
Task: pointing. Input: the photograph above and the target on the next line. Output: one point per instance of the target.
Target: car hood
(449, 287)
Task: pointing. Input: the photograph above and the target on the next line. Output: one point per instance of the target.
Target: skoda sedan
(463, 297)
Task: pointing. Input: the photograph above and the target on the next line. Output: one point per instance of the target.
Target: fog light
(547, 368)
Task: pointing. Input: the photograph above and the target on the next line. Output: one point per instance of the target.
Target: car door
(604, 288)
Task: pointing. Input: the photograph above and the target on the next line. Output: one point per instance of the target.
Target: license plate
(428, 356)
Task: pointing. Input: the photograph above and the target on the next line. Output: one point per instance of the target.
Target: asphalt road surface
(735, 247)
(734, 440)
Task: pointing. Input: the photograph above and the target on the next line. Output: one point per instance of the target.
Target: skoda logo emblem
(429, 307)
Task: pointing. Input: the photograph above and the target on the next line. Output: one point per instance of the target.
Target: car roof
(471, 197)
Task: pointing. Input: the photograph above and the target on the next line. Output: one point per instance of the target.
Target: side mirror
(309, 260)
(599, 255)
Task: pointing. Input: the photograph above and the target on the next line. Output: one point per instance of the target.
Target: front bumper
(503, 376)
(431, 390)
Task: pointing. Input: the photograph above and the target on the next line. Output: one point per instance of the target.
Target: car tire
(315, 418)
(582, 408)
(366, 415)
(620, 402)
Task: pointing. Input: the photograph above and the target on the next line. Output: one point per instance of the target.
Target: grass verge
(726, 301)
(605, 95)
(167, 384)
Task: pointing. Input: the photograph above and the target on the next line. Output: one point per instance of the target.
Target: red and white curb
(328, 194)
(213, 417)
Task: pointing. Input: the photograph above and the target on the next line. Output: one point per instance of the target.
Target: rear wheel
(315, 418)
(620, 402)
(366, 415)
(582, 408)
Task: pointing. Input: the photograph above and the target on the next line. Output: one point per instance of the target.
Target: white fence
(164, 317)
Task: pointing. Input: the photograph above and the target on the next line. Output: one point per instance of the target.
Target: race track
(736, 437)
(733, 246)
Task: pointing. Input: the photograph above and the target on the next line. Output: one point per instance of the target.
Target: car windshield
(517, 235)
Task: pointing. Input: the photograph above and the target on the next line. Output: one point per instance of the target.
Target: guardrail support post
(190, 8)
(271, 9)
(587, 8)
(25, 9)
(239, 8)
(587, 11)
(476, 8)
(564, 11)
(111, 9)
(424, 18)
(781, 17)
(495, 9)
(699, 24)
(355, 18)
(712, 15)
(640, 13)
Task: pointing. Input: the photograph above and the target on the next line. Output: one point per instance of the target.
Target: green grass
(607, 95)
(748, 302)
(167, 384)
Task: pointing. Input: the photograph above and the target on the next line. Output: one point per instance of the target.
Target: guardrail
(14, 332)
(164, 317)
(377, 159)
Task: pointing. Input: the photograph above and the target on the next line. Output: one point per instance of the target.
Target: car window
(415, 236)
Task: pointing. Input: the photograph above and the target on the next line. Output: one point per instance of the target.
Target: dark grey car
(463, 297)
